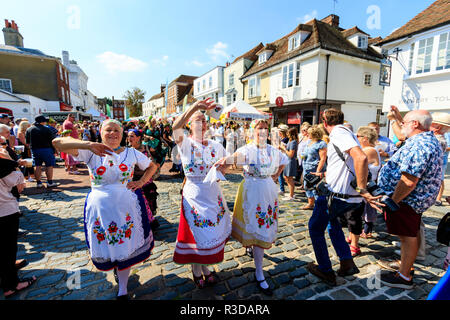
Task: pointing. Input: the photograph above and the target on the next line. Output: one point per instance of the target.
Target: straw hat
(283, 127)
(442, 118)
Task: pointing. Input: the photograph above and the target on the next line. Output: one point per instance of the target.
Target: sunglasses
(4, 144)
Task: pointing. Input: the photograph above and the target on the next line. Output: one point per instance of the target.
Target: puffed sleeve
(84, 156)
(143, 162)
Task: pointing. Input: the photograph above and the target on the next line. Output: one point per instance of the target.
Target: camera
(376, 191)
(311, 181)
(314, 182)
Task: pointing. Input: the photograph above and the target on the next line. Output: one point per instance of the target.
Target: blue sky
(144, 43)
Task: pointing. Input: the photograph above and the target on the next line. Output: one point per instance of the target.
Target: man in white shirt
(344, 204)
(218, 133)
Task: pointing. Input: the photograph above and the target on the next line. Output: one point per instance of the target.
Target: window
(5, 84)
(297, 75)
(231, 80)
(288, 76)
(204, 84)
(210, 82)
(294, 42)
(262, 58)
(362, 42)
(444, 52)
(411, 58)
(217, 98)
(367, 79)
(228, 99)
(424, 55)
(198, 86)
(63, 95)
(60, 72)
(254, 87)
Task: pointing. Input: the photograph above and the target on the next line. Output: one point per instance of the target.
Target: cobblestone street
(58, 256)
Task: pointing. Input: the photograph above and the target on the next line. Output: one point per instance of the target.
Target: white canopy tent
(241, 110)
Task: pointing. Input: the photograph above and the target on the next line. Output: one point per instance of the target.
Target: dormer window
(262, 58)
(362, 42)
(294, 42)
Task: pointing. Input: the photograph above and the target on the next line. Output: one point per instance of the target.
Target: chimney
(163, 88)
(12, 35)
(65, 56)
(332, 20)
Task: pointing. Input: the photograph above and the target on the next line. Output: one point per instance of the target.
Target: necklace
(117, 149)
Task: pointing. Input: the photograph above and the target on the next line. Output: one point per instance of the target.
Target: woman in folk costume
(116, 221)
(255, 218)
(205, 221)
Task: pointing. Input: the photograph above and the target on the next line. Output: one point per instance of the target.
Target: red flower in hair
(101, 170)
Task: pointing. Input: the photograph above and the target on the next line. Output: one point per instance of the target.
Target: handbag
(443, 230)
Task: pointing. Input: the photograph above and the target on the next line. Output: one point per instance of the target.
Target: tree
(135, 98)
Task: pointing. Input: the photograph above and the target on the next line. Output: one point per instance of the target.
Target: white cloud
(307, 17)
(114, 62)
(162, 62)
(217, 51)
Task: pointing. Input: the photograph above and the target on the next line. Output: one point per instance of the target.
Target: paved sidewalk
(56, 250)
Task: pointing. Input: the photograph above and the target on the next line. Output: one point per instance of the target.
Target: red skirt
(186, 250)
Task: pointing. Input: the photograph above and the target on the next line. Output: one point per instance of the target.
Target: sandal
(355, 251)
(29, 282)
(307, 208)
(249, 252)
(199, 281)
(22, 264)
(212, 278)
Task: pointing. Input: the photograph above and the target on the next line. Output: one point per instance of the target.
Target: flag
(126, 113)
(108, 111)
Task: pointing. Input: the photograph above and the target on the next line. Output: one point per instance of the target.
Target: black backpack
(443, 230)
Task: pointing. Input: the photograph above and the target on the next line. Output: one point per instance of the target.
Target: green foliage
(135, 98)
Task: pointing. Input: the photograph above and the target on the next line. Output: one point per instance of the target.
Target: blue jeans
(281, 181)
(318, 222)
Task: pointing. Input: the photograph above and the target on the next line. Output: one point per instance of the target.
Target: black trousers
(8, 251)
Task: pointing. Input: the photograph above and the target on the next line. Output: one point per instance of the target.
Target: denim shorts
(44, 155)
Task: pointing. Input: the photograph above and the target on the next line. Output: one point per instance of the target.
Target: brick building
(176, 91)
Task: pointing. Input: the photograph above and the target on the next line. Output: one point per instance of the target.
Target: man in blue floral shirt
(412, 178)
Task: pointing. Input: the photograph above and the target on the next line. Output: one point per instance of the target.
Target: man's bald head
(423, 117)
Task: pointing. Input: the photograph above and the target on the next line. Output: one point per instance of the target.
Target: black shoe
(249, 252)
(328, 277)
(21, 234)
(123, 298)
(267, 291)
(348, 268)
(115, 276)
(154, 225)
(393, 279)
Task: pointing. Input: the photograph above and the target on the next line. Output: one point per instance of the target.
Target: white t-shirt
(338, 175)
(218, 135)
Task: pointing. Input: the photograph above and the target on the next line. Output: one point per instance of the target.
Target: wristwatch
(360, 191)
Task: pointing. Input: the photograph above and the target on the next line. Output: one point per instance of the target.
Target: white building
(154, 106)
(232, 86)
(420, 56)
(317, 66)
(25, 105)
(210, 85)
(78, 80)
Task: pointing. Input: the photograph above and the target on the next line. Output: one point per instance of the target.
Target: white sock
(258, 256)
(197, 270)
(123, 281)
